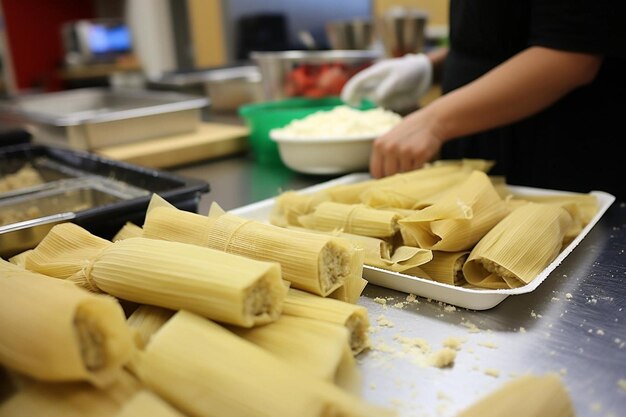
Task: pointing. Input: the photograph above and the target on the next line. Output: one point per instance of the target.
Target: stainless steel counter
(574, 324)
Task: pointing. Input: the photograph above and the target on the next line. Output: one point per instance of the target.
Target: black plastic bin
(114, 193)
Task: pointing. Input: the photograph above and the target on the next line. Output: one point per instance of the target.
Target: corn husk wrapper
(525, 396)
(357, 219)
(446, 267)
(218, 285)
(518, 248)
(322, 349)
(72, 399)
(205, 370)
(146, 320)
(146, 403)
(54, 331)
(314, 263)
(354, 317)
(128, 230)
(582, 208)
(20, 258)
(351, 193)
(290, 205)
(458, 219)
(409, 195)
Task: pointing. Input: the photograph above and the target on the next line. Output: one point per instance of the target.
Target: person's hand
(408, 146)
(394, 83)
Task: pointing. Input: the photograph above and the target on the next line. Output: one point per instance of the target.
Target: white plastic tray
(475, 299)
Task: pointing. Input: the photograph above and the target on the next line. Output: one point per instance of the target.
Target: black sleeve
(573, 25)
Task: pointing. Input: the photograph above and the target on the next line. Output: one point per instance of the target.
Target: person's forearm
(520, 87)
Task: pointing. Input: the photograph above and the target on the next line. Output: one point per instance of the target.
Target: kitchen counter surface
(573, 324)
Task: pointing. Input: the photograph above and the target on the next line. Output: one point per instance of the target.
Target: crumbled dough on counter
(383, 321)
(409, 342)
(600, 332)
(556, 299)
(453, 342)
(522, 329)
(442, 358)
(380, 300)
(449, 308)
(489, 345)
(569, 296)
(411, 297)
(399, 305)
(492, 372)
(471, 327)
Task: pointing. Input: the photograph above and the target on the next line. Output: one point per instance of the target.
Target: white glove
(391, 83)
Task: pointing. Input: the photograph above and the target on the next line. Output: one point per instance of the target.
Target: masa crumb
(384, 322)
(489, 345)
(399, 305)
(442, 358)
(492, 372)
(522, 329)
(380, 301)
(600, 332)
(449, 308)
(622, 384)
(453, 342)
(409, 342)
(472, 328)
(569, 296)
(556, 299)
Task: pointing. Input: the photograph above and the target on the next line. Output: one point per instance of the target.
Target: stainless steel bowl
(309, 73)
(350, 34)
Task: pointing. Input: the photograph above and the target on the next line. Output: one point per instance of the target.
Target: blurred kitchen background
(49, 45)
(172, 77)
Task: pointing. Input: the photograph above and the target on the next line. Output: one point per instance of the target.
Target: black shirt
(573, 144)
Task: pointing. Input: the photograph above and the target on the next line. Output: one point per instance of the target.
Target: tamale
(317, 347)
(146, 320)
(128, 230)
(71, 399)
(316, 263)
(407, 196)
(458, 219)
(146, 403)
(446, 267)
(357, 219)
(290, 205)
(582, 208)
(54, 331)
(519, 247)
(354, 317)
(351, 193)
(205, 370)
(218, 285)
(525, 396)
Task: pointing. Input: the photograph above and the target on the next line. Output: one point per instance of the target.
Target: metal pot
(281, 71)
(350, 34)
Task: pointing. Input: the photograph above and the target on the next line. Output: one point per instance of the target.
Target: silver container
(402, 31)
(92, 118)
(277, 69)
(227, 88)
(350, 34)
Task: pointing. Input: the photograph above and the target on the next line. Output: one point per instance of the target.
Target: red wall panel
(33, 31)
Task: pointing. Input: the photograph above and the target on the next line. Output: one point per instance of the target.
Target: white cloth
(391, 83)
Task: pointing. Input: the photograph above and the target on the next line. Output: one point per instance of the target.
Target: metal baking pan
(226, 87)
(91, 118)
(94, 192)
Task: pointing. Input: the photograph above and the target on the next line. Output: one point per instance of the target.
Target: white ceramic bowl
(325, 155)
